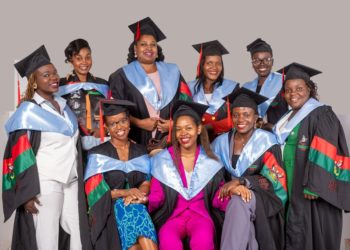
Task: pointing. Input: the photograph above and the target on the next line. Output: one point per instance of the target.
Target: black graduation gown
(103, 225)
(317, 224)
(269, 221)
(27, 186)
(77, 102)
(122, 88)
(277, 108)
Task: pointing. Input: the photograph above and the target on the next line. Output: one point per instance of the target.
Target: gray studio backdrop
(315, 33)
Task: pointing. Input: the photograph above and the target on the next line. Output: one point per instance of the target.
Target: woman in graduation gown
(211, 88)
(117, 184)
(149, 82)
(256, 182)
(183, 200)
(82, 90)
(316, 160)
(42, 172)
(268, 84)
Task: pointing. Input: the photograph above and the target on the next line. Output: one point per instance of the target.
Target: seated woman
(117, 184)
(82, 90)
(210, 88)
(316, 158)
(183, 199)
(43, 172)
(256, 181)
(152, 84)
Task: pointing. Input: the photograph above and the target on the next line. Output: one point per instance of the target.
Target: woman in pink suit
(186, 177)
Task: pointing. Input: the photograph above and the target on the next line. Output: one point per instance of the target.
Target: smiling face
(47, 80)
(212, 67)
(146, 49)
(82, 62)
(296, 93)
(244, 119)
(186, 132)
(262, 63)
(118, 126)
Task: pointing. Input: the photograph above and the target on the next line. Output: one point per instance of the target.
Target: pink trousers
(198, 229)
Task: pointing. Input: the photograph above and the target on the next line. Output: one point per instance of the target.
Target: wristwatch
(242, 181)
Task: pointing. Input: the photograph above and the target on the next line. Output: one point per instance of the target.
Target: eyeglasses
(258, 61)
(123, 122)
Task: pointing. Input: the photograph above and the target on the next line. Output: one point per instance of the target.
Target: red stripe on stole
(270, 161)
(330, 150)
(6, 164)
(185, 89)
(21, 145)
(92, 183)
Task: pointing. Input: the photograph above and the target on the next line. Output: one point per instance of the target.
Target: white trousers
(59, 206)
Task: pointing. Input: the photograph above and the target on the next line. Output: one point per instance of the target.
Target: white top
(57, 154)
(208, 97)
(188, 177)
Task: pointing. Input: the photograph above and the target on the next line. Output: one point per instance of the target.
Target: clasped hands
(234, 188)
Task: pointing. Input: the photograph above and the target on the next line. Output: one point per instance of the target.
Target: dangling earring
(135, 55)
(35, 86)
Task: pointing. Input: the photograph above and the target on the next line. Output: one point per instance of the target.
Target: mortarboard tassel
(170, 126)
(199, 62)
(102, 129)
(138, 32)
(229, 118)
(18, 90)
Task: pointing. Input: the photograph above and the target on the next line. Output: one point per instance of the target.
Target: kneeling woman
(117, 183)
(183, 198)
(256, 183)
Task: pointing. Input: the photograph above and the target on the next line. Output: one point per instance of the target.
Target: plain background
(314, 33)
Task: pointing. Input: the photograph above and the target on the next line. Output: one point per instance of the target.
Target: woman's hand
(95, 132)
(227, 189)
(163, 125)
(30, 207)
(148, 124)
(244, 192)
(310, 197)
(135, 193)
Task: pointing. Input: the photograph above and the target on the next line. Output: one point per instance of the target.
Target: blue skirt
(133, 221)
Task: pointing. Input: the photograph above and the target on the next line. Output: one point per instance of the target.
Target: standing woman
(149, 82)
(117, 184)
(316, 158)
(82, 90)
(183, 200)
(256, 182)
(268, 84)
(210, 87)
(42, 173)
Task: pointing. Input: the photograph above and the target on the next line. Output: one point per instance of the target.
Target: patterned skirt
(133, 221)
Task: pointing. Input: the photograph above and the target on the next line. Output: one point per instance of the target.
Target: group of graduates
(148, 161)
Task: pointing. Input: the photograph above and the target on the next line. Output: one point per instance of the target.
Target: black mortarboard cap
(246, 98)
(35, 60)
(259, 45)
(211, 48)
(193, 109)
(298, 71)
(114, 107)
(146, 27)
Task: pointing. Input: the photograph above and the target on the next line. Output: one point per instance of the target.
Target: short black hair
(74, 47)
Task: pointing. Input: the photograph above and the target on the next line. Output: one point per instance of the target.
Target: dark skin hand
(30, 207)
(234, 188)
(310, 197)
